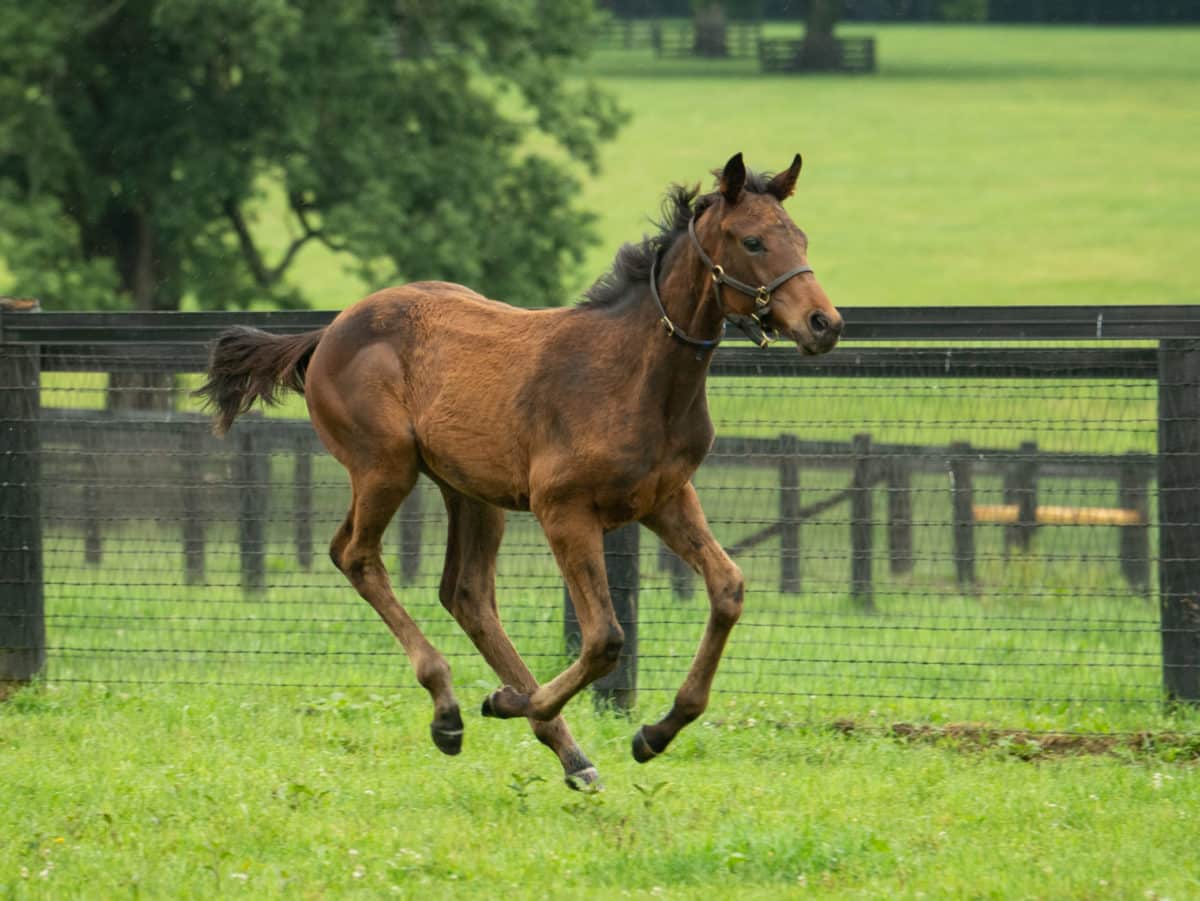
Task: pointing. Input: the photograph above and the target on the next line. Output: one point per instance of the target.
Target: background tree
(710, 18)
(820, 49)
(138, 136)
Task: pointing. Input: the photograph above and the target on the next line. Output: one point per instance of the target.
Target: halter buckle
(718, 273)
(762, 297)
(769, 335)
(670, 326)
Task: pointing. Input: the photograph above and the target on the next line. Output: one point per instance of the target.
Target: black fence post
(1020, 488)
(861, 522)
(252, 476)
(22, 605)
(789, 514)
(1179, 516)
(302, 501)
(683, 580)
(411, 520)
(1133, 494)
(900, 522)
(963, 495)
(572, 636)
(192, 473)
(93, 542)
(617, 690)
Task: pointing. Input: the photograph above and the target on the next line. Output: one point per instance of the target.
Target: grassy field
(180, 792)
(978, 166)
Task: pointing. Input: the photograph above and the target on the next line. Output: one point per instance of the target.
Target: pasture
(987, 165)
(983, 166)
(185, 792)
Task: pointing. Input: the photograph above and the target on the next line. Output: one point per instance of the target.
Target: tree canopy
(427, 140)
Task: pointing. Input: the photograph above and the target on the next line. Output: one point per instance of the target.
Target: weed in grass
(520, 786)
(650, 793)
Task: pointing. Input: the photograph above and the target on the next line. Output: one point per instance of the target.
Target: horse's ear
(782, 185)
(733, 179)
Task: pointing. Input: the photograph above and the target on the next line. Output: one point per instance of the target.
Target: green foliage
(963, 10)
(137, 140)
(735, 9)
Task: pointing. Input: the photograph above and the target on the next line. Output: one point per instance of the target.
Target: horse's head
(760, 258)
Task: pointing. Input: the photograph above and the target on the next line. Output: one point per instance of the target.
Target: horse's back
(438, 365)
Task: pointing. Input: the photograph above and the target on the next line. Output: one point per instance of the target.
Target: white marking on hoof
(585, 780)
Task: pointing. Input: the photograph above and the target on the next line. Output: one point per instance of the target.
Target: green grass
(183, 792)
(979, 166)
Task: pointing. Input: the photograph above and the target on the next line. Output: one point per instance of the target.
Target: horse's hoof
(505, 703)
(447, 732)
(585, 780)
(642, 749)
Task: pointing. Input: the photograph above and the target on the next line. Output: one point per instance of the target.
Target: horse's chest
(654, 476)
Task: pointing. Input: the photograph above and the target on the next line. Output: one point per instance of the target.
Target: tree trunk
(709, 39)
(152, 281)
(820, 49)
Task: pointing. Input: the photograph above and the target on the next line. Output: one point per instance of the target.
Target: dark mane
(633, 261)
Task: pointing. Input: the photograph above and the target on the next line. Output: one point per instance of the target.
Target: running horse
(590, 416)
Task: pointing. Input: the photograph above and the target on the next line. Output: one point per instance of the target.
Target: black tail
(248, 365)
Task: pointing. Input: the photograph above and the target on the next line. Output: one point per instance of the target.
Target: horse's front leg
(577, 540)
(680, 523)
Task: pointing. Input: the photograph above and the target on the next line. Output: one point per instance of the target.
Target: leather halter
(753, 324)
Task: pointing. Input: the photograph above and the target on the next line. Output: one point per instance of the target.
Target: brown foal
(590, 416)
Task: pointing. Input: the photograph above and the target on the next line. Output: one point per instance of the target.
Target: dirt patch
(1175, 746)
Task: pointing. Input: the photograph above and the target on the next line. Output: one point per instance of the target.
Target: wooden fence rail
(35, 441)
(172, 451)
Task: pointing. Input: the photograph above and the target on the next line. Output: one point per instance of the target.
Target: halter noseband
(752, 324)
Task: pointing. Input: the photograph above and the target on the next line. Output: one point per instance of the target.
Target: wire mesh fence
(1004, 535)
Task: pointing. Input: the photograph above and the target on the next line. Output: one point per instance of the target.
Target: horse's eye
(753, 244)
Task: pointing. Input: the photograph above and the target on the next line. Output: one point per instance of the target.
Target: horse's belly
(479, 469)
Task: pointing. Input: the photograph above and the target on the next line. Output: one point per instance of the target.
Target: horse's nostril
(819, 323)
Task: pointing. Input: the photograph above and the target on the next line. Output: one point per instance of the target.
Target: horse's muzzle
(820, 334)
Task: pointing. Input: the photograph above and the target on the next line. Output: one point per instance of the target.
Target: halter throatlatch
(754, 325)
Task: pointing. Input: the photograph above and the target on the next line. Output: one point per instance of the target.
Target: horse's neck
(686, 289)
(677, 372)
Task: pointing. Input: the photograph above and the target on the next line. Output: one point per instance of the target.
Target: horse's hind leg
(468, 591)
(378, 493)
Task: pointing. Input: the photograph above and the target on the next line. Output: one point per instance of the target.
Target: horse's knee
(727, 599)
